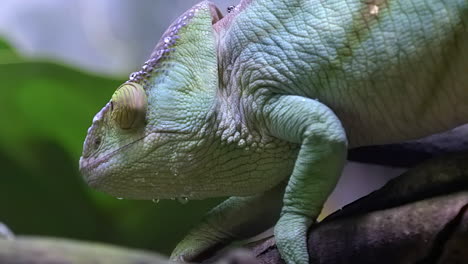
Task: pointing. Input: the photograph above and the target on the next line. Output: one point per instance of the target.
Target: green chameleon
(263, 104)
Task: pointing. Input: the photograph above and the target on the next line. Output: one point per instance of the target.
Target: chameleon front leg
(317, 168)
(234, 219)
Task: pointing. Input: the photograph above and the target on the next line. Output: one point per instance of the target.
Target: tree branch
(419, 217)
(42, 250)
(429, 231)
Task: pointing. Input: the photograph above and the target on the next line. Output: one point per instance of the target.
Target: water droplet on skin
(156, 201)
(190, 157)
(183, 200)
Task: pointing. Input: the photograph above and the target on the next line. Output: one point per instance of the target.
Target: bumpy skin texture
(263, 104)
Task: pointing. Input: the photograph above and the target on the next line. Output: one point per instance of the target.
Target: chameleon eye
(129, 104)
(97, 142)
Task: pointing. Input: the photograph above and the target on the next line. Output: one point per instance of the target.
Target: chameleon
(261, 105)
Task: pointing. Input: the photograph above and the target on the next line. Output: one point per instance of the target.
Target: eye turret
(129, 105)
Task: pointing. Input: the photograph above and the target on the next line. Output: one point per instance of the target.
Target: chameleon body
(263, 104)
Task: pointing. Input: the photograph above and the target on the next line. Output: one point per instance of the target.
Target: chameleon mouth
(93, 168)
(88, 165)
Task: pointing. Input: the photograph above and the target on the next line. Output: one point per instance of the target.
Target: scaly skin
(273, 95)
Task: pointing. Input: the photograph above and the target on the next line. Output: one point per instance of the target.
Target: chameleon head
(141, 144)
(115, 135)
(133, 152)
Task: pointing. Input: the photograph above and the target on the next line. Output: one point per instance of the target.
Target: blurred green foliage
(45, 110)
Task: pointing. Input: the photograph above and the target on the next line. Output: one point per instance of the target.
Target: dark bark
(419, 217)
(411, 153)
(429, 231)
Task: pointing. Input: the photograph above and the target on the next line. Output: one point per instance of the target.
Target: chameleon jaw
(100, 171)
(93, 168)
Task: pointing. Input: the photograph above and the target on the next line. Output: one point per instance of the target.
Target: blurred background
(60, 62)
